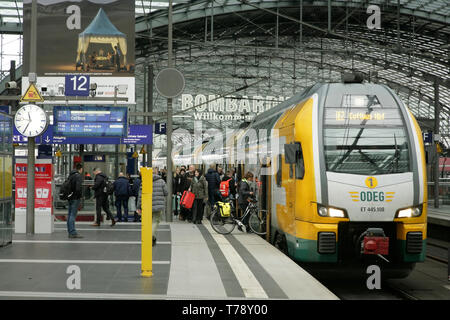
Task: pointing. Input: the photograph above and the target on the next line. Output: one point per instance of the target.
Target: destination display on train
(90, 121)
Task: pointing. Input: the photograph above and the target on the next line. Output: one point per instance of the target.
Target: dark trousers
(185, 214)
(122, 201)
(72, 215)
(101, 202)
(176, 207)
(197, 210)
(213, 197)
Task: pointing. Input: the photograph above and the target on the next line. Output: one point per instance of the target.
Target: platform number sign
(77, 85)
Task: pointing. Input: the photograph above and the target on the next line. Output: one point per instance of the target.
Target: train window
(278, 177)
(299, 163)
(364, 137)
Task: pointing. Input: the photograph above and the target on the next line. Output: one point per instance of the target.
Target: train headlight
(330, 212)
(322, 211)
(336, 213)
(411, 212)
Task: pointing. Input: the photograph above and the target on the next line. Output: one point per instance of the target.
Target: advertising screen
(82, 42)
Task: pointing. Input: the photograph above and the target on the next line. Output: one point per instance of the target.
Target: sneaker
(73, 236)
(240, 228)
(113, 222)
(95, 224)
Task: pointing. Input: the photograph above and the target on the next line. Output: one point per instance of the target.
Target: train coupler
(374, 242)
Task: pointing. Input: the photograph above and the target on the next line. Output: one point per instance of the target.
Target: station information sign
(88, 121)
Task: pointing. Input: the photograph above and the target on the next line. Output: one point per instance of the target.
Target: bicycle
(226, 225)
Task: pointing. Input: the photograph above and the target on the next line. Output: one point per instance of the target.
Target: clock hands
(26, 126)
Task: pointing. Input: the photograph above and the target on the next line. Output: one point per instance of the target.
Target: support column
(169, 127)
(31, 140)
(145, 155)
(150, 109)
(437, 112)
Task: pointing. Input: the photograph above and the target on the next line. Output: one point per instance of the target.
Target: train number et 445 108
(372, 209)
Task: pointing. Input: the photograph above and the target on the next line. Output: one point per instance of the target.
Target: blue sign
(160, 128)
(77, 85)
(137, 134)
(427, 137)
(5, 109)
(90, 121)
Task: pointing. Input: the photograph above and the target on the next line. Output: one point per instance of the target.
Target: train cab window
(363, 136)
(278, 177)
(294, 157)
(299, 164)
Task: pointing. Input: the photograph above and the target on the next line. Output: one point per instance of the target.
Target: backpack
(109, 187)
(225, 188)
(65, 192)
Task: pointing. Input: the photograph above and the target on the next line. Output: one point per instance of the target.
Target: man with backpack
(213, 178)
(122, 192)
(245, 195)
(228, 186)
(101, 197)
(71, 190)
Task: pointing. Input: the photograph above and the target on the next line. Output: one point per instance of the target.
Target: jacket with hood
(99, 184)
(213, 178)
(122, 187)
(159, 194)
(199, 187)
(75, 184)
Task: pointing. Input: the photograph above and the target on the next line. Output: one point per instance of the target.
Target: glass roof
(249, 51)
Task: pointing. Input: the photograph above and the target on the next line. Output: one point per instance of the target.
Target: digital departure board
(82, 121)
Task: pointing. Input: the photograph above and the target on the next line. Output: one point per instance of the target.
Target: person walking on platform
(158, 202)
(176, 191)
(244, 194)
(122, 193)
(183, 185)
(213, 178)
(101, 197)
(220, 172)
(199, 187)
(75, 182)
(135, 192)
(228, 177)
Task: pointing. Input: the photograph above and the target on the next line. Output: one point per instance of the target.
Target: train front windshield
(361, 136)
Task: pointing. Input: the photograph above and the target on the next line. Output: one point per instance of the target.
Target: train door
(288, 181)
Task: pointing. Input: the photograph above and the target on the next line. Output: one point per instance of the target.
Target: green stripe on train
(306, 250)
(408, 257)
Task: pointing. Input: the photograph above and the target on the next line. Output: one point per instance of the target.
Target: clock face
(31, 120)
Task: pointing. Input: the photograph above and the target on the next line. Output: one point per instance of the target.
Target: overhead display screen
(82, 121)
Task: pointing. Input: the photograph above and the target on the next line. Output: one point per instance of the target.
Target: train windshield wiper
(369, 159)
(394, 162)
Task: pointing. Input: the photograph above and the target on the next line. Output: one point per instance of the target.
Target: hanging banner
(83, 48)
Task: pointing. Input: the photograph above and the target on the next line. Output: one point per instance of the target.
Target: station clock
(31, 120)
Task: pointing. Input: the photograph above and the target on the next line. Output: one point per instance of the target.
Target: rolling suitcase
(187, 199)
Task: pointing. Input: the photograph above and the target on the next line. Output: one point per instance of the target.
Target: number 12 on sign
(77, 85)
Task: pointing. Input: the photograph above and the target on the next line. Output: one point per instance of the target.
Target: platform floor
(439, 216)
(189, 262)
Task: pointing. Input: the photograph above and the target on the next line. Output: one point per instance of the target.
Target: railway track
(437, 250)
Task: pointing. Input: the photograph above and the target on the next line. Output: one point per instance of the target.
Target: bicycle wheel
(222, 225)
(257, 223)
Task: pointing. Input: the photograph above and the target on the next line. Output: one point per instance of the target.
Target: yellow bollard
(146, 218)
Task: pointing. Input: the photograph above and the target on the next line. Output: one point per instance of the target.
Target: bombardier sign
(215, 108)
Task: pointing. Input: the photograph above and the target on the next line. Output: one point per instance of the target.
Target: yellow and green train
(347, 176)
